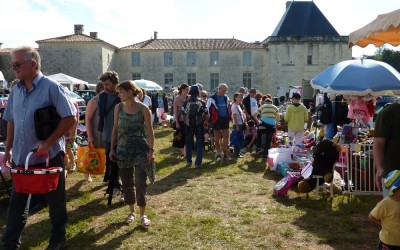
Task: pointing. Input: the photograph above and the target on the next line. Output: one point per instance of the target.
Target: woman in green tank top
(132, 145)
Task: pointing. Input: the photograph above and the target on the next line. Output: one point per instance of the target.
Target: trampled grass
(228, 206)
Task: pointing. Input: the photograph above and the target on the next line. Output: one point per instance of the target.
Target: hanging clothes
(341, 111)
(358, 111)
(326, 111)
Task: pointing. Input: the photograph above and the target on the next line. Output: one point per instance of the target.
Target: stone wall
(81, 60)
(230, 67)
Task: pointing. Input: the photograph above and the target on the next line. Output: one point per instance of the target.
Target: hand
(150, 157)
(112, 155)
(42, 148)
(7, 159)
(378, 178)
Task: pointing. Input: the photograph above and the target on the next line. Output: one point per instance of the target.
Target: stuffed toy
(325, 155)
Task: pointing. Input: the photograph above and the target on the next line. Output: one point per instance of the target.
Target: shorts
(221, 124)
(69, 140)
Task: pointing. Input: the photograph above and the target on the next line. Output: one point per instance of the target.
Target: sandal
(144, 221)
(130, 217)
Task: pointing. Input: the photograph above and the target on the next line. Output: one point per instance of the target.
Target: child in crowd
(250, 135)
(387, 213)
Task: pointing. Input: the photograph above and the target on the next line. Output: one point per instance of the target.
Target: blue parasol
(358, 77)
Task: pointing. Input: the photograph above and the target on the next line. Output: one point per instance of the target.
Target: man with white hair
(218, 109)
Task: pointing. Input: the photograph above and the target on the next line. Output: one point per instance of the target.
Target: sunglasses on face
(16, 66)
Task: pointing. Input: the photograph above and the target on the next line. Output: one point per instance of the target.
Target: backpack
(213, 111)
(194, 113)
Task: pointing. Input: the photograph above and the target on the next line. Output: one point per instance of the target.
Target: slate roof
(192, 44)
(303, 18)
(73, 38)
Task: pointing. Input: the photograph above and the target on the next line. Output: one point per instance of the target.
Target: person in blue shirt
(34, 91)
(218, 105)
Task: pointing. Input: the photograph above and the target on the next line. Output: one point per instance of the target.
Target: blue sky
(125, 22)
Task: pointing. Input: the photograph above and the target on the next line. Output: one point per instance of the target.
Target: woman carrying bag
(132, 145)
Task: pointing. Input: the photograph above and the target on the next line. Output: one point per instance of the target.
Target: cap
(392, 181)
(200, 86)
(194, 90)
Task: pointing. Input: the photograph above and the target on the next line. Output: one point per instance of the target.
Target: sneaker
(218, 158)
(243, 151)
(238, 156)
(130, 218)
(88, 178)
(188, 164)
(145, 222)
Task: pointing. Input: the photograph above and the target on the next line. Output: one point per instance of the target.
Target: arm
(177, 110)
(63, 126)
(378, 153)
(235, 116)
(114, 132)
(90, 110)
(9, 143)
(372, 218)
(150, 133)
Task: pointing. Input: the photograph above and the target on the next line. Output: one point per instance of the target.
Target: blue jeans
(199, 133)
(18, 209)
(240, 136)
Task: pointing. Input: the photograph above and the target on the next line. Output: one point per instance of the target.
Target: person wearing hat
(196, 119)
(296, 116)
(387, 213)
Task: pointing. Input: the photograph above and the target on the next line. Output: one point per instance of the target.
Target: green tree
(388, 56)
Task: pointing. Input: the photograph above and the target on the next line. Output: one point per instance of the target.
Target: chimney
(155, 35)
(78, 29)
(288, 3)
(94, 35)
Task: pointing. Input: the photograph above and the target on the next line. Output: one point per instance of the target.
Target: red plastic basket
(35, 180)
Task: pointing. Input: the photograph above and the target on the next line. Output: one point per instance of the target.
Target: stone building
(302, 45)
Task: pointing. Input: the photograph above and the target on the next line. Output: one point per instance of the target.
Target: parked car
(86, 94)
(81, 102)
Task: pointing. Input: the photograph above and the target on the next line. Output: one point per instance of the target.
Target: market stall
(359, 82)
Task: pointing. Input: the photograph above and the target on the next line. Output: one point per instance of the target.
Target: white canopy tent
(67, 81)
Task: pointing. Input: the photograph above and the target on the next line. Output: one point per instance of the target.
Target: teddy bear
(325, 155)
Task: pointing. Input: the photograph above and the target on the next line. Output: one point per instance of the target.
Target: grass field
(228, 206)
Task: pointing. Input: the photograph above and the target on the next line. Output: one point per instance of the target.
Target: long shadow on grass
(88, 239)
(39, 232)
(174, 180)
(346, 225)
(254, 165)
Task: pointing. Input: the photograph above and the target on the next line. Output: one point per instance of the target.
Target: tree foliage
(391, 57)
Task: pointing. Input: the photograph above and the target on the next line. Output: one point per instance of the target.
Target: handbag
(35, 179)
(46, 120)
(91, 160)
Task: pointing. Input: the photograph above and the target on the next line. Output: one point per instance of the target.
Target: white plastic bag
(276, 155)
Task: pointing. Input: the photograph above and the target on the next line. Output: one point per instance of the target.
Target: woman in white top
(238, 119)
(144, 98)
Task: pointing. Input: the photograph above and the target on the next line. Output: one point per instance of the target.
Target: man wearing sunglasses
(34, 91)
